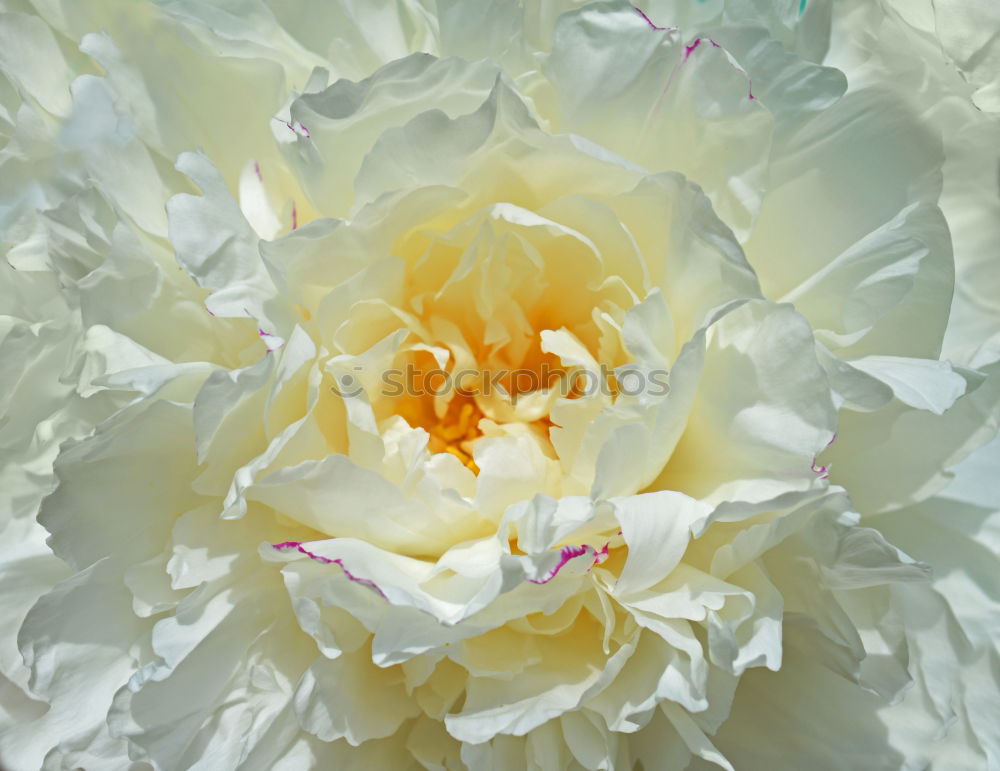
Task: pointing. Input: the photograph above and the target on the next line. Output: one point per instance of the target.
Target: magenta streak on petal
(568, 553)
(264, 336)
(297, 545)
(295, 216)
(571, 553)
(690, 49)
(297, 128)
(823, 471)
(256, 168)
(647, 19)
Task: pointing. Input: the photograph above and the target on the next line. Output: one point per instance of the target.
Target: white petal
(352, 698)
(657, 528)
(921, 383)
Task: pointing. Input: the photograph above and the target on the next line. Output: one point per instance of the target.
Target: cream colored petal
(80, 642)
(664, 105)
(914, 447)
(842, 156)
(922, 383)
(556, 685)
(85, 524)
(853, 297)
(691, 253)
(352, 698)
(755, 353)
(216, 246)
(656, 527)
(335, 496)
(344, 121)
(434, 149)
(115, 156)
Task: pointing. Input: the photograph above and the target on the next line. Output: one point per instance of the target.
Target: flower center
(455, 432)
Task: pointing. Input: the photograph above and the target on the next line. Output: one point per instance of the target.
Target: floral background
(213, 213)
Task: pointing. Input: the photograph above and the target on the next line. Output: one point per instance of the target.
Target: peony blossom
(229, 227)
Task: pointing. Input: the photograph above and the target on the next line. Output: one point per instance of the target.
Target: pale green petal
(25, 39)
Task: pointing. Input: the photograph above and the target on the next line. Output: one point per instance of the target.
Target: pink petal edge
(297, 545)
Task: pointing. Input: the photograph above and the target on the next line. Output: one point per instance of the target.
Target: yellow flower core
(455, 432)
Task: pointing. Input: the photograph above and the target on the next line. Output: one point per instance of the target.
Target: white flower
(227, 544)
